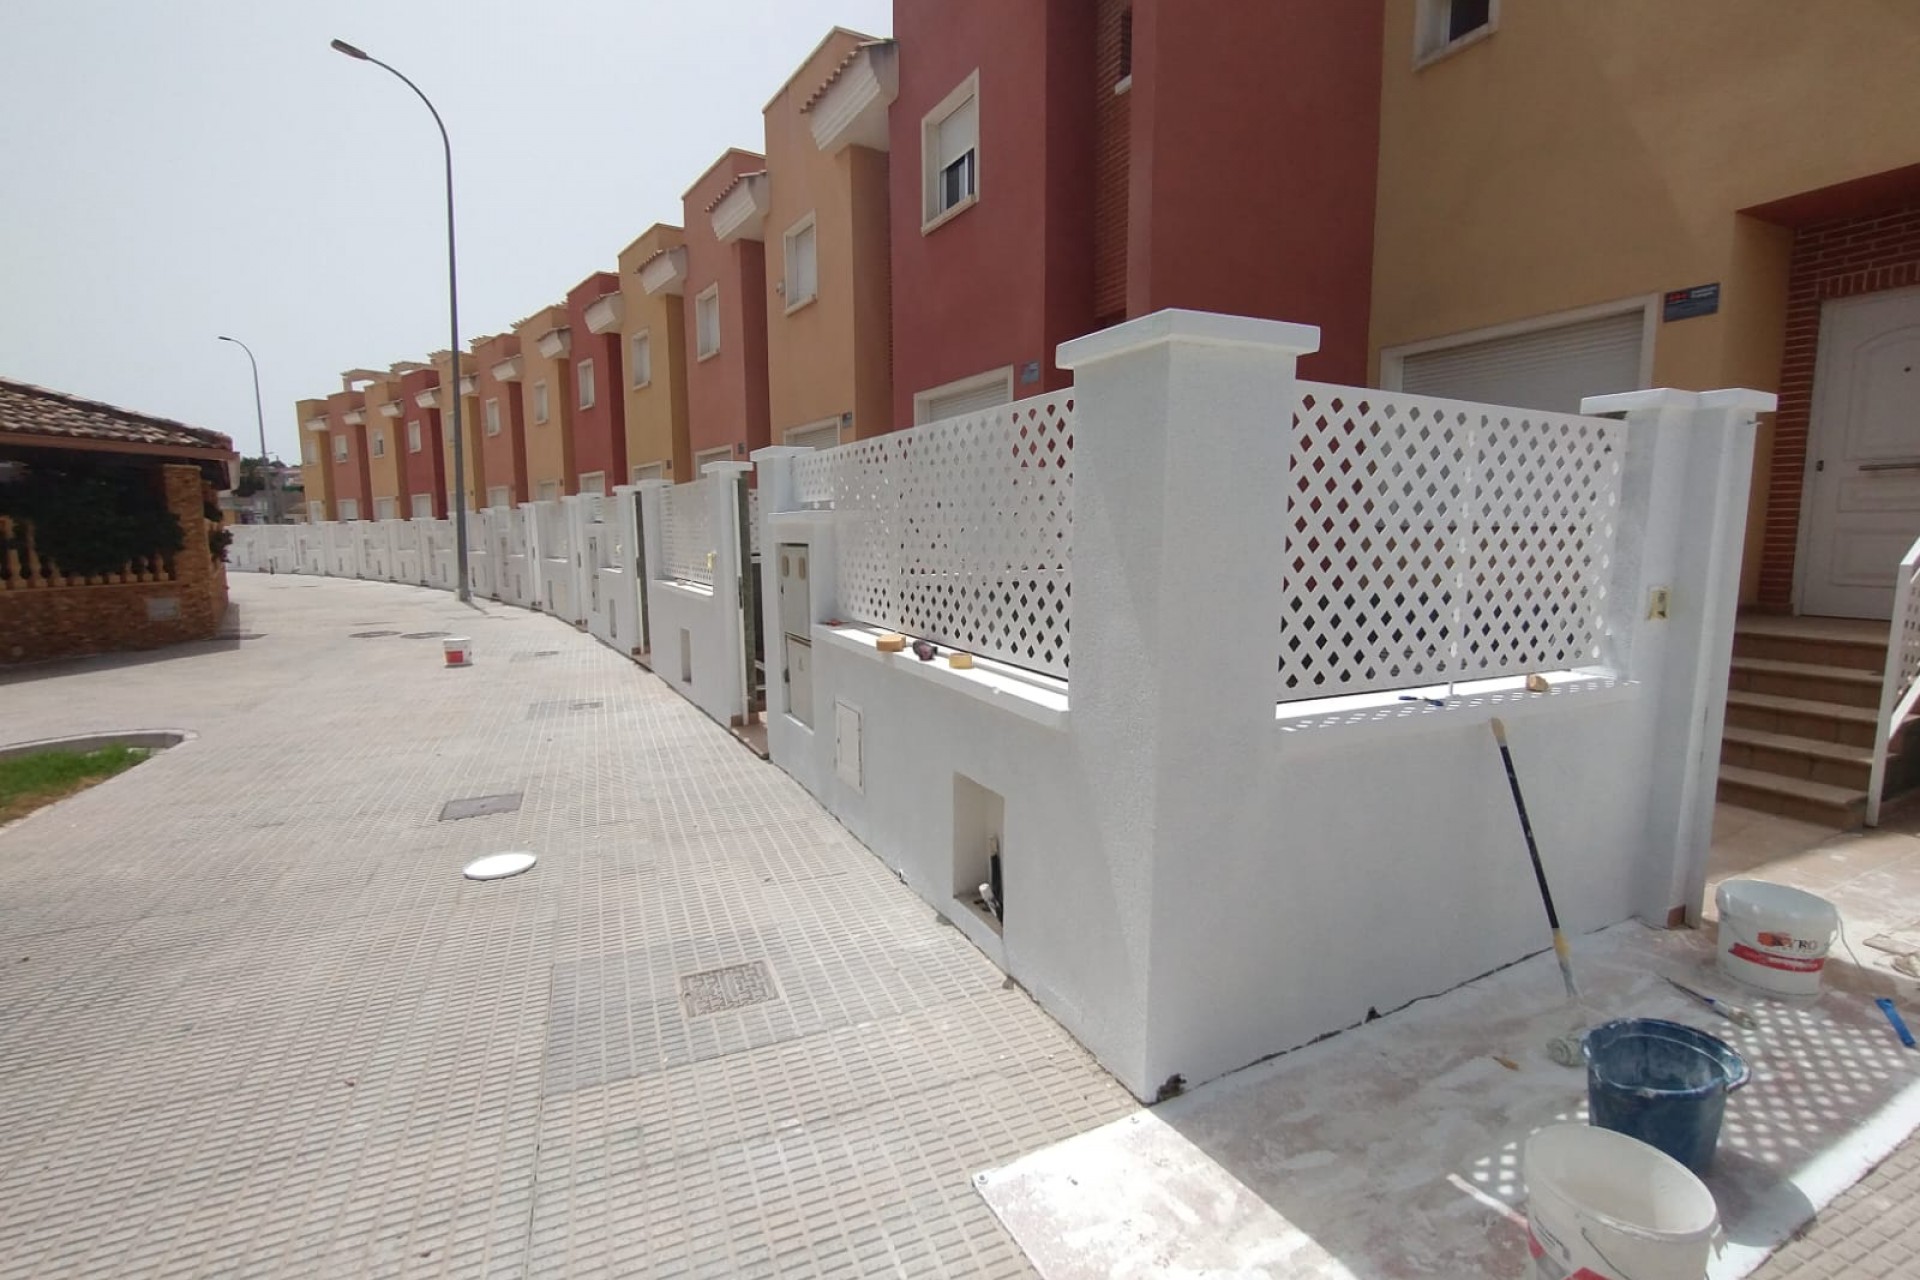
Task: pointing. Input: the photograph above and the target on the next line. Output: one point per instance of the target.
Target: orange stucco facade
(655, 379)
(726, 385)
(316, 469)
(828, 354)
(546, 353)
(386, 439)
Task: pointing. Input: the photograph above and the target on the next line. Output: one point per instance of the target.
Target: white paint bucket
(459, 651)
(1773, 937)
(1603, 1206)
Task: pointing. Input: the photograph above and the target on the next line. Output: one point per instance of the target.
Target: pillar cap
(1670, 398)
(1200, 328)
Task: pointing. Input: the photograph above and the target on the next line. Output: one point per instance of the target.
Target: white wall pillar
(1683, 511)
(1180, 470)
(731, 563)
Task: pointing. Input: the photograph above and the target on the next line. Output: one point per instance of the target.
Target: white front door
(1863, 455)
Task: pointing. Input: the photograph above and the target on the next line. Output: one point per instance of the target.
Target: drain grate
(585, 706)
(480, 806)
(371, 635)
(734, 987)
(528, 655)
(426, 635)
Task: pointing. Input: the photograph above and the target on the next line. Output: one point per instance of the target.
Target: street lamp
(453, 323)
(259, 415)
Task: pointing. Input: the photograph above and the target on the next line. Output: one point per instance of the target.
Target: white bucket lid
(1795, 910)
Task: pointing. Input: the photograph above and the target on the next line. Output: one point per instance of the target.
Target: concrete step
(1799, 798)
(1810, 759)
(1802, 717)
(1833, 642)
(1812, 681)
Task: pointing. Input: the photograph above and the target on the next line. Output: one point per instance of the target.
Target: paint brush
(1899, 1023)
(1732, 1013)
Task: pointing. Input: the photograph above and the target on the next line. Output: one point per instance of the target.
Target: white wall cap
(654, 482)
(1205, 328)
(779, 451)
(1740, 398)
(725, 468)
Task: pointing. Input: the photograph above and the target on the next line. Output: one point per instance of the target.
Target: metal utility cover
(426, 635)
(480, 806)
(370, 635)
(734, 987)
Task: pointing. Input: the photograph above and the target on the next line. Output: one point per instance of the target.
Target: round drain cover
(498, 866)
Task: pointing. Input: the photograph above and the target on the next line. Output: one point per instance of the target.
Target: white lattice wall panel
(961, 532)
(686, 531)
(753, 521)
(1431, 540)
(1906, 628)
(813, 479)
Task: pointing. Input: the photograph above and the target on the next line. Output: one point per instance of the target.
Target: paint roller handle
(1499, 732)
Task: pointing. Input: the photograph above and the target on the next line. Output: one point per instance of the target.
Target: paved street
(254, 1022)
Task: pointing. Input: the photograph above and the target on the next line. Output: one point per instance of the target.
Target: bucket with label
(1663, 1083)
(1603, 1206)
(459, 651)
(1774, 937)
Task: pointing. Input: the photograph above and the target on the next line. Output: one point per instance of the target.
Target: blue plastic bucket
(1663, 1083)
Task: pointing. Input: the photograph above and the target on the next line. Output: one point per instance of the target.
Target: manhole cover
(479, 806)
(528, 655)
(371, 635)
(734, 987)
(498, 866)
(426, 635)
(585, 706)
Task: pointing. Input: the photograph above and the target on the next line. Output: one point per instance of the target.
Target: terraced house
(653, 328)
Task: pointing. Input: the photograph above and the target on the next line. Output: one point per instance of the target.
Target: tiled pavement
(254, 1023)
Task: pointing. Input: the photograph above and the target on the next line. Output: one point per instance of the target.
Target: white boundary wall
(1196, 875)
(695, 627)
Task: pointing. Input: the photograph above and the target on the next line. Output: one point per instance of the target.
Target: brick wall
(1112, 122)
(1835, 259)
(62, 622)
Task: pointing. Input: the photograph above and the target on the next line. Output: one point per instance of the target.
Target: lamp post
(260, 417)
(462, 590)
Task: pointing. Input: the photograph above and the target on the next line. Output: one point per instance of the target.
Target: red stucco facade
(599, 429)
(425, 471)
(1249, 170)
(727, 391)
(351, 481)
(505, 452)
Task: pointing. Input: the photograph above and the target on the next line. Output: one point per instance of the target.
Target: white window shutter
(1548, 369)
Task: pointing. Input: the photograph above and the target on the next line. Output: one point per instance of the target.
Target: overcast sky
(171, 170)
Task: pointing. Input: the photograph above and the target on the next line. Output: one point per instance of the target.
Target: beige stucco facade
(828, 357)
(1586, 154)
(549, 411)
(476, 485)
(316, 471)
(386, 439)
(656, 418)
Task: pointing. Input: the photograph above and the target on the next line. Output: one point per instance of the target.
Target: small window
(1446, 23)
(340, 448)
(650, 471)
(499, 496)
(539, 403)
(413, 437)
(316, 512)
(379, 444)
(950, 153)
(706, 322)
(583, 374)
(549, 491)
(349, 508)
(306, 450)
(641, 346)
(823, 435)
(386, 508)
(492, 412)
(594, 482)
(802, 283)
(423, 506)
(1126, 44)
(723, 453)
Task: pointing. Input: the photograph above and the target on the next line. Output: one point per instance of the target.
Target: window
(650, 471)
(379, 444)
(583, 374)
(950, 154)
(492, 412)
(423, 506)
(821, 435)
(968, 395)
(386, 508)
(700, 460)
(593, 482)
(539, 403)
(549, 491)
(706, 322)
(802, 283)
(1445, 25)
(499, 496)
(316, 512)
(1125, 81)
(306, 450)
(641, 359)
(413, 437)
(349, 508)
(339, 448)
